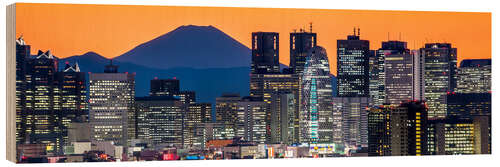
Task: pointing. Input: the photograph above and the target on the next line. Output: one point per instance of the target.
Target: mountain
(208, 83)
(190, 46)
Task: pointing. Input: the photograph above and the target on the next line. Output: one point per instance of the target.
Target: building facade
(474, 76)
(353, 55)
(300, 44)
(265, 53)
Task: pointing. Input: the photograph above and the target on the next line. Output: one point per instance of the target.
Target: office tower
(252, 120)
(23, 53)
(41, 119)
(265, 53)
(459, 136)
(160, 120)
(300, 44)
(409, 129)
(379, 134)
(353, 57)
(72, 98)
(440, 76)
(283, 107)
(474, 76)
(468, 105)
(195, 115)
(164, 87)
(316, 122)
(396, 72)
(264, 86)
(171, 87)
(397, 130)
(418, 75)
(212, 131)
(226, 110)
(354, 119)
(111, 110)
(375, 88)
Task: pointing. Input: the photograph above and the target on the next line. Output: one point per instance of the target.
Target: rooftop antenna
(311, 26)
(354, 30)
(388, 39)
(359, 31)
(399, 36)
(294, 30)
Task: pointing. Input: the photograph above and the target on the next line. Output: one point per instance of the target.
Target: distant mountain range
(203, 58)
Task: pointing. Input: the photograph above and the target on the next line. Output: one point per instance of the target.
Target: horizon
(101, 27)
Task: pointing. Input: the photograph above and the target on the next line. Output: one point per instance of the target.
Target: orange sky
(112, 30)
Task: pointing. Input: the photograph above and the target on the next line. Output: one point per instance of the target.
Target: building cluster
(389, 101)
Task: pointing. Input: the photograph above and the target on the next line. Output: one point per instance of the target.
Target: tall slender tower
(440, 76)
(265, 53)
(316, 120)
(353, 55)
(300, 44)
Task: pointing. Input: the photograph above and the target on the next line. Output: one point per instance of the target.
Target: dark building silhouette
(265, 53)
(23, 53)
(474, 76)
(353, 55)
(398, 130)
(440, 76)
(468, 105)
(164, 87)
(300, 44)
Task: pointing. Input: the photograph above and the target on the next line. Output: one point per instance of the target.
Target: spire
(77, 67)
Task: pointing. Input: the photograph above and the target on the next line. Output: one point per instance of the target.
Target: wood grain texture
(11, 83)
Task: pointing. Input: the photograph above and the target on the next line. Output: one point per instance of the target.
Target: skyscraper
(252, 120)
(440, 76)
(396, 73)
(418, 75)
(111, 110)
(468, 105)
(23, 54)
(354, 119)
(353, 57)
(226, 110)
(265, 53)
(316, 122)
(161, 120)
(164, 87)
(300, 44)
(474, 76)
(195, 115)
(379, 134)
(283, 110)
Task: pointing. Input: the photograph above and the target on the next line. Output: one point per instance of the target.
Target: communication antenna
(388, 39)
(311, 26)
(354, 31)
(359, 30)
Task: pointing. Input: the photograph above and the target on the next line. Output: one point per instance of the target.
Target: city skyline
(104, 35)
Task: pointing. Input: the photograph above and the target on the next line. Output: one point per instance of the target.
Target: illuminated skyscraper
(353, 56)
(396, 72)
(265, 53)
(316, 122)
(161, 120)
(252, 120)
(282, 122)
(474, 76)
(164, 87)
(195, 115)
(468, 105)
(440, 76)
(111, 105)
(418, 75)
(226, 110)
(23, 53)
(354, 119)
(300, 44)
(379, 131)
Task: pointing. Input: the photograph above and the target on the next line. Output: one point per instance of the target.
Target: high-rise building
(195, 115)
(468, 105)
(418, 75)
(161, 120)
(353, 56)
(440, 76)
(252, 120)
(409, 129)
(111, 106)
(474, 76)
(354, 119)
(264, 86)
(316, 122)
(23, 54)
(164, 87)
(283, 107)
(379, 131)
(40, 118)
(265, 53)
(171, 87)
(300, 44)
(396, 72)
(397, 130)
(459, 136)
(226, 110)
